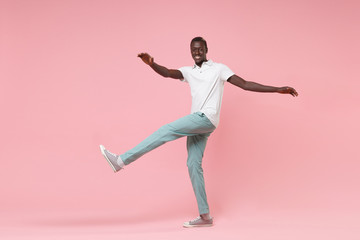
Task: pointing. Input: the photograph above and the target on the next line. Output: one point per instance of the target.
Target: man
(206, 79)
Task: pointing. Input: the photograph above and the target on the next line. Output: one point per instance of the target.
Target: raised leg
(190, 125)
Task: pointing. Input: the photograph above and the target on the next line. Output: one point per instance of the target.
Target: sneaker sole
(202, 225)
(102, 148)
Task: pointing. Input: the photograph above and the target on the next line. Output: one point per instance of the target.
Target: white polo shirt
(207, 87)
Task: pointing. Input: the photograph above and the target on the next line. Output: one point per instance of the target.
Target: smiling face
(198, 52)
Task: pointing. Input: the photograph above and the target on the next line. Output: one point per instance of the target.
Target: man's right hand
(146, 58)
(163, 71)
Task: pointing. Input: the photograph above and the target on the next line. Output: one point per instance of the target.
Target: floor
(112, 225)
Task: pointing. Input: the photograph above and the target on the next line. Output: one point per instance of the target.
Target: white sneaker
(111, 158)
(198, 222)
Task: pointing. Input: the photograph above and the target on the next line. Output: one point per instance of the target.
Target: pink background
(277, 167)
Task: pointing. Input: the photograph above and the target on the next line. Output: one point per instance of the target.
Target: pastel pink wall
(70, 80)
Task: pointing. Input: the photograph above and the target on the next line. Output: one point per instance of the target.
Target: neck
(200, 63)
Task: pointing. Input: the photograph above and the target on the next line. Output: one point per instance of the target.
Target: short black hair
(200, 39)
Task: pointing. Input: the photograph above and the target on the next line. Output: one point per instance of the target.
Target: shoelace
(113, 154)
(196, 219)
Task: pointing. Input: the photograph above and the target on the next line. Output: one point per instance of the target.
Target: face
(198, 52)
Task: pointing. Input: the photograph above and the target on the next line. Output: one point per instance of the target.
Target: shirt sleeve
(184, 71)
(225, 72)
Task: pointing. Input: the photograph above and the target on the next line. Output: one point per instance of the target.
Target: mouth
(197, 57)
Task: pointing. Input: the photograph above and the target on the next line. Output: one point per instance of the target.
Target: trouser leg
(196, 146)
(190, 125)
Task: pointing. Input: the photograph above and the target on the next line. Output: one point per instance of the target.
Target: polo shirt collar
(208, 62)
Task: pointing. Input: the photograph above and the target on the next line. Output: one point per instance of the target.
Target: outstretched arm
(163, 71)
(256, 87)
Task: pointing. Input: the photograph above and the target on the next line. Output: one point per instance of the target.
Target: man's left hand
(288, 90)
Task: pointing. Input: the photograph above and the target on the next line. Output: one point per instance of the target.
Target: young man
(206, 79)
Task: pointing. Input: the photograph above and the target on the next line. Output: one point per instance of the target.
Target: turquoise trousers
(197, 127)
